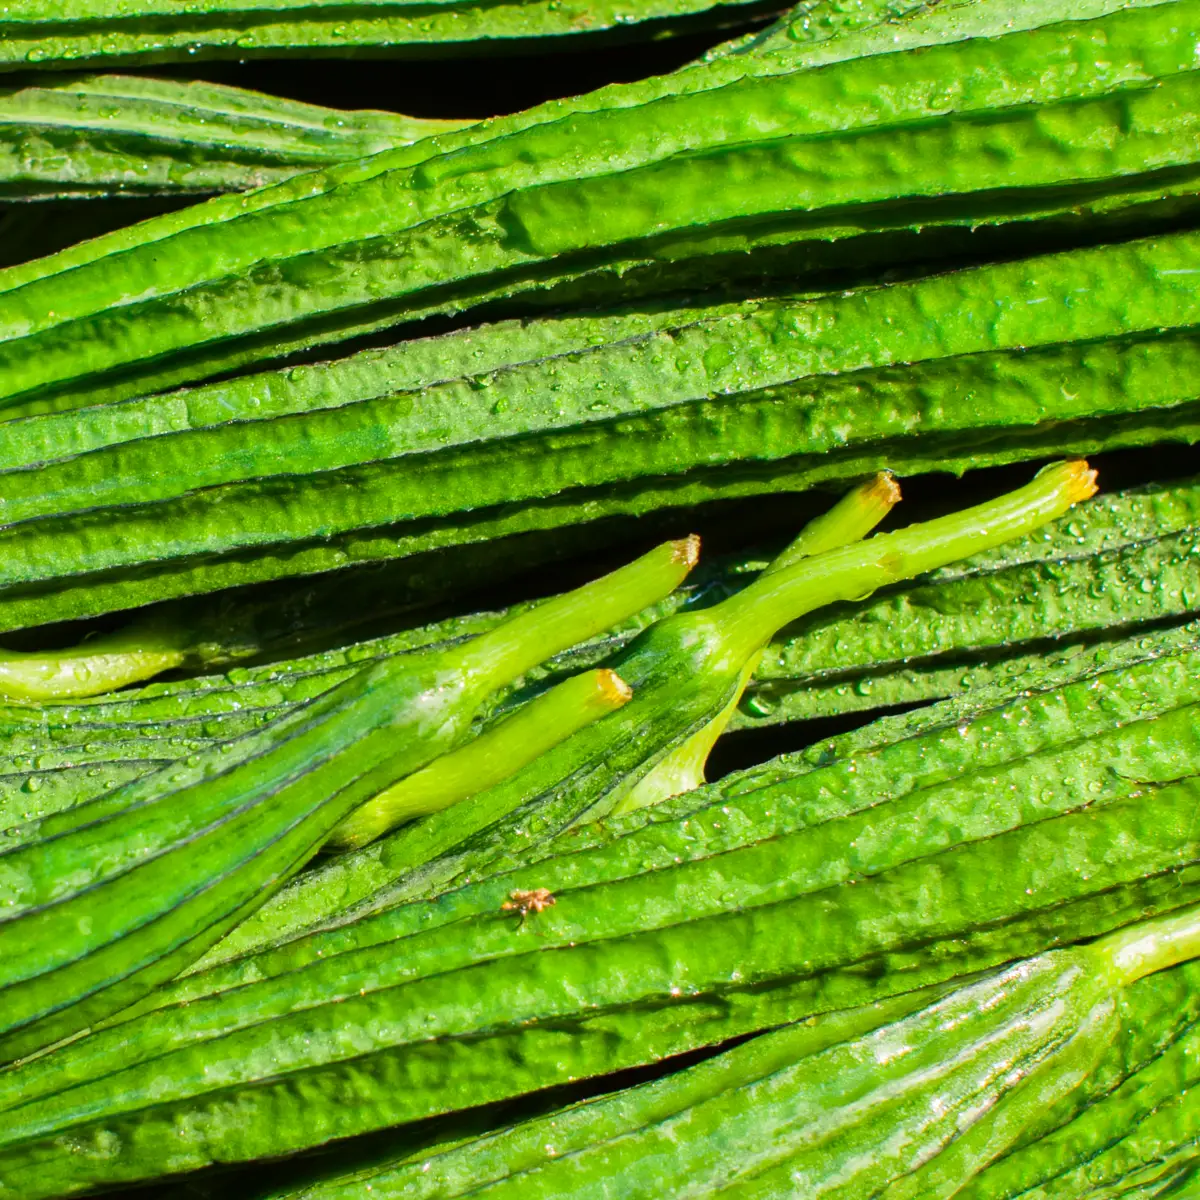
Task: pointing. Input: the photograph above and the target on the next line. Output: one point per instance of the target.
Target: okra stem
(487, 760)
(751, 617)
(92, 668)
(1153, 945)
(508, 651)
(848, 521)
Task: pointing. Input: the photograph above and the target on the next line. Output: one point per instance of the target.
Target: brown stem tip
(687, 550)
(1081, 484)
(613, 688)
(885, 488)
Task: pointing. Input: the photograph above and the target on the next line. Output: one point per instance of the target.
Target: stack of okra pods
(471, 721)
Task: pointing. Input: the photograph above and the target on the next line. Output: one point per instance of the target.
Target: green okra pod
(99, 32)
(100, 904)
(913, 1102)
(780, 159)
(120, 135)
(1120, 563)
(370, 459)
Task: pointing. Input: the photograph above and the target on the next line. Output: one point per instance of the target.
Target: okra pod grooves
(101, 904)
(827, 563)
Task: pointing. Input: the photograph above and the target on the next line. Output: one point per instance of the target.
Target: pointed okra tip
(884, 489)
(687, 550)
(613, 689)
(1075, 477)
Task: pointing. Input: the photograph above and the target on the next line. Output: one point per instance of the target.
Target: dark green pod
(100, 904)
(643, 955)
(111, 135)
(269, 477)
(1083, 577)
(902, 1105)
(765, 160)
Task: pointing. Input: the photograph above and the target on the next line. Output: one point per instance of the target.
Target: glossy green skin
(38, 33)
(779, 1106)
(508, 1152)
(312, 464)
(397, 240)
(683, 671)
(105, 902)
(371, 877)
(46, 36)
(1135, 1117)
(587, 987)
(1118, 562)
(1081, 576)
(106, 135)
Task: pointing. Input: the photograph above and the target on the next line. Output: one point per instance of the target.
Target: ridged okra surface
(278, 475)
(1032, 124)
(1118, 563)
(665, 956)
(125, 135)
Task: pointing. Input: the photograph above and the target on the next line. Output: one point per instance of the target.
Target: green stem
(487, 760)
(92, 668)
(849, 520)
(522, 642)
(1155, 945)
(751, 618)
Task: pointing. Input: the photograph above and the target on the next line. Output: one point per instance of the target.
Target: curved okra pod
(683, 666)
(119, 135)
(907, 1098)
(804, 579)
(100, 904)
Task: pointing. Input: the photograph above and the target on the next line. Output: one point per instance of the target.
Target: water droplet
(32, 784)
(759, 705)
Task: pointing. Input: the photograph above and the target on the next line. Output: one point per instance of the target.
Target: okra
(909, 1104)
(684, 671)
(1135, 1116)
(112, 898)
(905, 762)
(159, 33)
(784, 159)
(785, 397)
(114, 135)
(631, 964)
(1119, 563)
(100, 31)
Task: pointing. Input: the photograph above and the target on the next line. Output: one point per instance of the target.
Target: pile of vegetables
(400, 797)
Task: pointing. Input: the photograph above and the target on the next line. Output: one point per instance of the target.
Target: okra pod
(106, 901)
(769, 159)
(121, 135)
